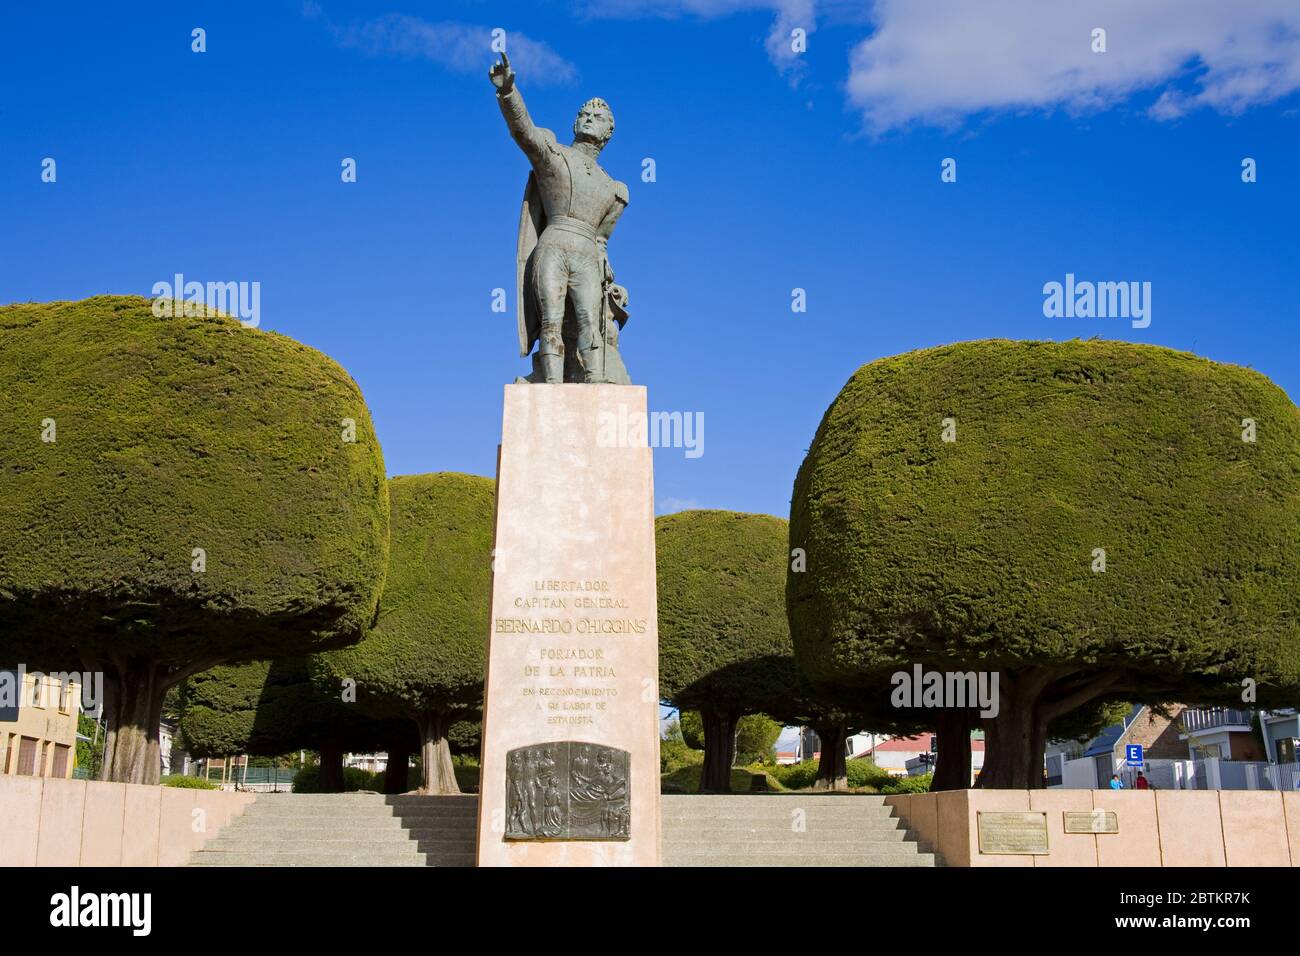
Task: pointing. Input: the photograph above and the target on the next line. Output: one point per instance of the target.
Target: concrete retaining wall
(54, 822)
(1156, 827)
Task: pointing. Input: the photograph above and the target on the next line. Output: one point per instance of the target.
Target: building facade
(38, 729)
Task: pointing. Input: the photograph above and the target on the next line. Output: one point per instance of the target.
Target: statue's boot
(593, 365)
(552, 369)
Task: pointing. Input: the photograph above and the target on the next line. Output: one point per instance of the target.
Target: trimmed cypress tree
(1106, 524)
(724, 643)
(269, 708)
(425, 657)
(179, 492)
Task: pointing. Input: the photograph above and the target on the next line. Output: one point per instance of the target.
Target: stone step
(804, 796)
(767, 858)
(738, 837)
(755, 801)
(325, 859)
(324, 856)
(780, 848)
(233, 840)
(358, 807)
(369, 824)
(782, 821)
(334, 800)
(320, 824)
(901, 842)
(698, 830)
(348, 813)
(786, 814)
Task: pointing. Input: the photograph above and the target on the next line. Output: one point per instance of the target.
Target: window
(27, 757)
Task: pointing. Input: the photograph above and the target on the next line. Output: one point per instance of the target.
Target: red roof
(916, 743)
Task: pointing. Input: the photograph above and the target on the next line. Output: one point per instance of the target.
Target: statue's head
(594, 124)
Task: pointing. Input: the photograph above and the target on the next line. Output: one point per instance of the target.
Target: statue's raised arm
(530, 138)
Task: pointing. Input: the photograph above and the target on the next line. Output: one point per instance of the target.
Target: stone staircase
(370, 829)
(347, 829)
(820, 829)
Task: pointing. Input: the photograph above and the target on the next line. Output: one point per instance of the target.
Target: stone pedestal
(570, 772)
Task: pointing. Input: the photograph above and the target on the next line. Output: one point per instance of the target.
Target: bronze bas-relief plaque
(1012, 832)
(568, 790)
(1091, 821)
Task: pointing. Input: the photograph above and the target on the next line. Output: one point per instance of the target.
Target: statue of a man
(568, 301)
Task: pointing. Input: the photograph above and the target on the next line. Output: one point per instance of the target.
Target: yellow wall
(51, 722)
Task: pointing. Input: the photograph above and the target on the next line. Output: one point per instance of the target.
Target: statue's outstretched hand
(502, 77)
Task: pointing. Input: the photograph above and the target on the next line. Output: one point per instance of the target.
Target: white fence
(1080, 774)
(1208, 774)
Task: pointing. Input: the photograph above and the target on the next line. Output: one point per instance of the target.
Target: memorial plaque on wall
(1012, 832)
(567, 791)
(1091, 821)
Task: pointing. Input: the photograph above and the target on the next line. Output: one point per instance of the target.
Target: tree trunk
(1028, 701)
(110, 732)
(832, 768)
(134, 708)
(1013, 745)
(397, 771)
(331, 766)
(719, 749)
(952, 762)
(438, 773)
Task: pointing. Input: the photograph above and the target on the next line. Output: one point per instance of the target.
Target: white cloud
(940, 61)
(788, 14)
(459, 47)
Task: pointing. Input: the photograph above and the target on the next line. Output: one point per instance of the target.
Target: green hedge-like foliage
(307, 780)
(183, 782)
(269, 708)
(174, 434)
(799, 776)
(724, 641)
(427, 650)
(981, 550)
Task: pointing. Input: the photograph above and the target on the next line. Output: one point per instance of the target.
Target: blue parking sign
(1133, 755)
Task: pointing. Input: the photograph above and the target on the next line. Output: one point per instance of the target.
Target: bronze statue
(568, 300)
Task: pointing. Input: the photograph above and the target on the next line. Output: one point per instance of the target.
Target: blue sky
(775, 170)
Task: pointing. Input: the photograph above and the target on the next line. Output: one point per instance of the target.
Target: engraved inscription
(568, 790)
(1091, 821)
(1012, 833)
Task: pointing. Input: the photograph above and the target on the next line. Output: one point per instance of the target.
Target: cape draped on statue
(532, 222)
